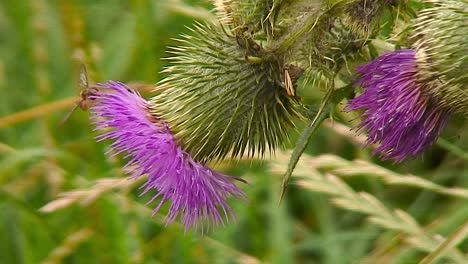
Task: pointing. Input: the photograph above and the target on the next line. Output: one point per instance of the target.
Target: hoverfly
(86, 91)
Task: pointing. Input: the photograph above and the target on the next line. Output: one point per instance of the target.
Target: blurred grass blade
(180, 7)
(345, 197)
(37, 111)
(232, 253)
(68, 246)
(20, 157)
(455, 150)
(86, 196)
(114, 63)
(345, 168)
(451, 242)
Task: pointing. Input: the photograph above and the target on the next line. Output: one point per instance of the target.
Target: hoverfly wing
(83, 82)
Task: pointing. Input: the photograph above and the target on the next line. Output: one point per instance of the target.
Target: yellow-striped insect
(288, 84)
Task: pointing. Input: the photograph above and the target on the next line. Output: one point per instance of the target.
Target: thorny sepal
(363, 16)
(246, 16)
(339, 34)
(440, 35)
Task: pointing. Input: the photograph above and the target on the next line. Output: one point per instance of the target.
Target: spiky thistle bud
(441, 34)
(363, 16)
(243, 15)
(224, 96)
(264, 19)
(316, 36)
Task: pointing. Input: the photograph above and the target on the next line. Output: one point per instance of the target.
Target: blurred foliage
(99, 218)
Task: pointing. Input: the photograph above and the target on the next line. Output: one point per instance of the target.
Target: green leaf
(329, 101)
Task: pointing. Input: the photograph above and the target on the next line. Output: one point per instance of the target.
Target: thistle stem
(293, 37)
(332, 98)
(307, 26)
(301, 146)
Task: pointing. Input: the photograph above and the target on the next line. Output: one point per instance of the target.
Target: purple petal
(195, 192)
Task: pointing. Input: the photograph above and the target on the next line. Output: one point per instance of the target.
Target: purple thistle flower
(398, 114)
(195, 191)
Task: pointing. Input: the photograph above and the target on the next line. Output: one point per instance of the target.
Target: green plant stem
(308, 25)
(452, 148)
(452, 241)
(332, 98)
(302, 143)
(293, 37)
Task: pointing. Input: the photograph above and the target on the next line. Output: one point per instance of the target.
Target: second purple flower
(398, 114)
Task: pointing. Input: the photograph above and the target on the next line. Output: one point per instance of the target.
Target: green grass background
(43, 43)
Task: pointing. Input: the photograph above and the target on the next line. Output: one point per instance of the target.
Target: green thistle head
(243, 15)
(363, 16)
(225, 96)
(442, 52)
